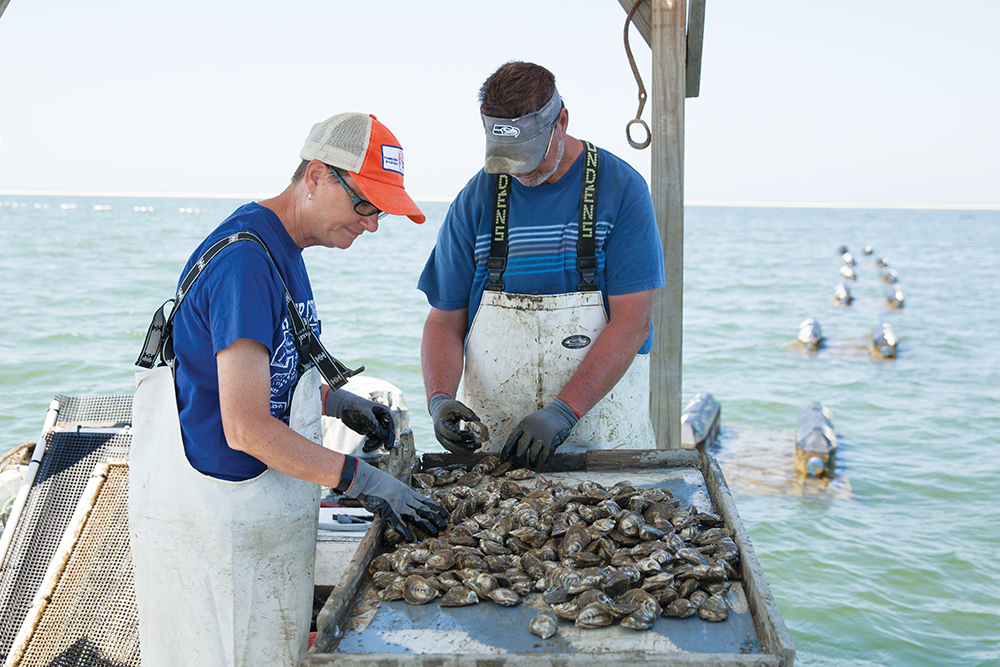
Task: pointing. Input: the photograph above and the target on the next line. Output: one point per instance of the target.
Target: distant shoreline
(690, 202)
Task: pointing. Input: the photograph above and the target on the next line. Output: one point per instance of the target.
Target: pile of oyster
(596, 555)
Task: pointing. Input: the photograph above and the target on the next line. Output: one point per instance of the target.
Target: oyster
(594, 616)
(417, 590)
(575, 539)
(521, 473)
(544, 624)
(698, 597)
(681, 608)
(441, 561)
(384, 579)
(640, 619)
(687, 587)
(458, 596)
(566, 610)
(648, 566)
(640, 598)
(482, 584)
(714, 608)
(629, 523)
(555, 595)
(505, 597)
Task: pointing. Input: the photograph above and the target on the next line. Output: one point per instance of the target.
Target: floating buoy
(882, 342)
(843, 295)
(700, 421)
(810, 334)
(894, 296)
(848, 273)
(815, 441)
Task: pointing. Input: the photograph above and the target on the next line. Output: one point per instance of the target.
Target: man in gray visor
(541, 288)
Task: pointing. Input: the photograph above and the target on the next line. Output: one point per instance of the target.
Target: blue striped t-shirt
(543, 230)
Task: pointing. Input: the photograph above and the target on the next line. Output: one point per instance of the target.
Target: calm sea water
(895, 562)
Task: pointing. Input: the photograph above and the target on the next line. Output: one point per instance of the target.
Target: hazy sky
(800, 100)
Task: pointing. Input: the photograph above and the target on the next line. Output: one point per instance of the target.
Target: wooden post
(667, 188)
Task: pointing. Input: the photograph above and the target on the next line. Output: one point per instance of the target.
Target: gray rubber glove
(384, 495)
(535, 439)
(447, 413)
(370, 419)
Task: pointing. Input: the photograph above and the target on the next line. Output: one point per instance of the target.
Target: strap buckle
(496, 267)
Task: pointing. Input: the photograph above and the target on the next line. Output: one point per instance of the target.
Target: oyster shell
(544, 624)
(417, 590)
(566, 610)
(680, 608)
(505, 597)
(575, 539)
(441, 561)
(555, 595)
(594, 616)
(458, 596)
(714, 608)
(640, 619)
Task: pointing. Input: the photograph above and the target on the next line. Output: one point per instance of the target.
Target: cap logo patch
(506, 131)
(392, 158)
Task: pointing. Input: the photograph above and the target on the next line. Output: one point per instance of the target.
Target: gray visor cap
(517, 145)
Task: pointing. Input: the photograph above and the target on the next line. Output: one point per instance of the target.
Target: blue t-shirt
(238, 295)
(543, 230)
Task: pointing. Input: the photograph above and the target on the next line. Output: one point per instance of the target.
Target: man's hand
(386, 496)
(370, 419)
(538, 435)
(447, 413)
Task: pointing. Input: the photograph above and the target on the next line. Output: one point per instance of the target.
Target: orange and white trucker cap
(365, 147)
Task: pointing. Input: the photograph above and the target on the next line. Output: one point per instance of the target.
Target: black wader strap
(497, 261)
(586, 244)
(158, 338)
(586, 248)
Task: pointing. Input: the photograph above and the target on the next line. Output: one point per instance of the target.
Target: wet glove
(535, 439)
(447, 412)
(384, 495)
(370, 419)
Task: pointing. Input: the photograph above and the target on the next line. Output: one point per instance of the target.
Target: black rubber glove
(370, 419)
(535, 439)
(384, 495)
(447, 413)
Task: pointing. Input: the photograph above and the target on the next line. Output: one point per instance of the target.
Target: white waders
(223, 570)
(522, 350)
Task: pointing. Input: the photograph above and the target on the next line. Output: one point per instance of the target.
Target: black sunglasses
(361, 207)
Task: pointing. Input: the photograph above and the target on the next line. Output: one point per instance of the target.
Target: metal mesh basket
(69, 459)
(85, 611)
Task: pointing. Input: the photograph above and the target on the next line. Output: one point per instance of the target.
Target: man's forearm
(442, 351)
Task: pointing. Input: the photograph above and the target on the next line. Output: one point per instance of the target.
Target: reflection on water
(761, 462)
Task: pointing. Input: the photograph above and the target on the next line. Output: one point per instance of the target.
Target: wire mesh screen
(91, 619)
(95, 410)
(70, 457)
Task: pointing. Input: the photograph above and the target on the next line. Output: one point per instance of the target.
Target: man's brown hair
(516, 89)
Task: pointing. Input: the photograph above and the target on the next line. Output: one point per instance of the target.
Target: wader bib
(223, 570)
(522, 349)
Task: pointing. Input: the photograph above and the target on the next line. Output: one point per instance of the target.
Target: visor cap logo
(506, 131)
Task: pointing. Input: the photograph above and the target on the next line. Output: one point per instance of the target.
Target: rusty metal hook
(642, 89)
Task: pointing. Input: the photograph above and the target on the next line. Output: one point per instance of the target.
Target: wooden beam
(667, 189)
(695, 41)
(3, 6)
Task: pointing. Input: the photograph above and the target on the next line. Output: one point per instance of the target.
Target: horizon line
(688, 202)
